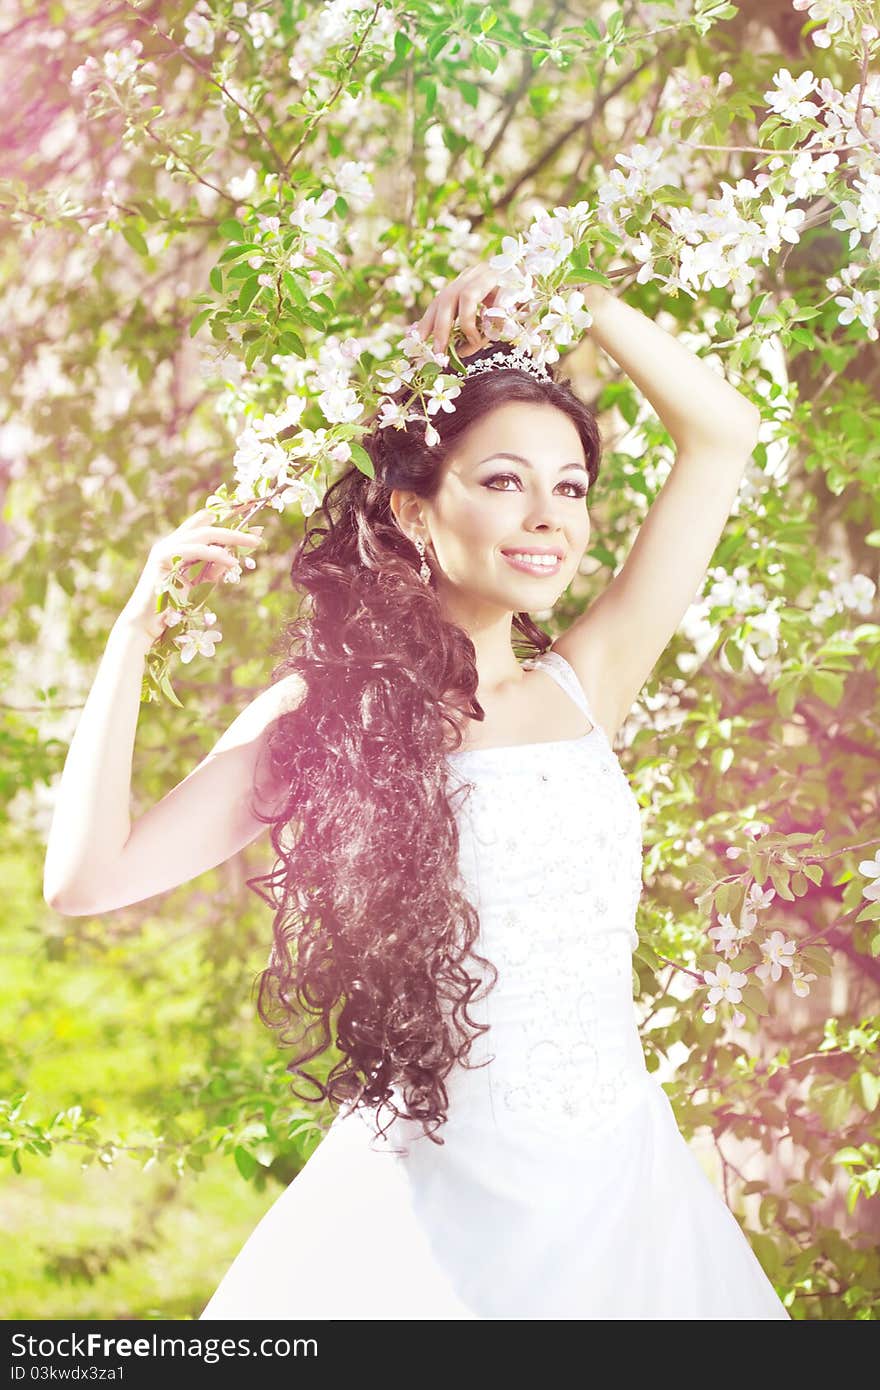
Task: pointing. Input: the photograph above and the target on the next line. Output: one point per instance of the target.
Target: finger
(443, 318)
(198, 518)
(443, 307)
(211, 573)
(188, 554)
(467, 306)
(425, 324)
(228, 537)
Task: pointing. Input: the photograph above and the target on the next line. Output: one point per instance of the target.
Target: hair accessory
(424, 571)
(518, 360)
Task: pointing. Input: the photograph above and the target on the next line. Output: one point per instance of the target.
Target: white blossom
(567, 319)
(777, 952)
(442, 394)
(199, 35)
(871, 869)
(788, 97)
(861, 305)
(724, 983)
(198, 640)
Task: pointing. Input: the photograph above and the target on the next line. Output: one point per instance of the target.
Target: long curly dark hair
(372, 927)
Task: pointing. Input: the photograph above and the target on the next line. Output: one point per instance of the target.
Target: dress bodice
(550, 853)
(553, 825)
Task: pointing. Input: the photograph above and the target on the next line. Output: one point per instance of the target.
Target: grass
(120, 1243)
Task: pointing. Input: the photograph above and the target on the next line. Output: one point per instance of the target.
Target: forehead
(535, 431)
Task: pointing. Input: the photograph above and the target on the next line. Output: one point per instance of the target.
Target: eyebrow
(518, 458)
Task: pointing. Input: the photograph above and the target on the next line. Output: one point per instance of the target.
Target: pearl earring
(424, 571)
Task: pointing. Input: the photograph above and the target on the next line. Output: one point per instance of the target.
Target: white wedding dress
(564, 1188)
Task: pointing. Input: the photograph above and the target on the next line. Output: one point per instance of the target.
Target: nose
(545, 512)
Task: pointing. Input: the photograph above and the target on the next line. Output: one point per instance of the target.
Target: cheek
(474, 525)
(488, 523)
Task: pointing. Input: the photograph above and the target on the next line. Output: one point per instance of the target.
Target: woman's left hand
(459, 301)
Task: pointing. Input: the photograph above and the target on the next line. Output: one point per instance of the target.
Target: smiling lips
(534, 561)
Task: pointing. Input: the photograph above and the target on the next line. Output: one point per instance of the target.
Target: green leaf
(869, 1085)
(816, 958)
(291, 343)
(601, 553)
(768, 1254)
(243, 248)
(437, 43)
(428, 87)
(754, 997)
(848, 1155)
(828, 686)
(249, 291)
(309, 316)
(215, 279)
(231, 230)
(255, 350)
(294, 288)
(779, 877)
(361, 459)
(245, 1162)
(198, 321)
(168, 689)
(485, 57)
(146, 210)
(136, 240)
(325, 260)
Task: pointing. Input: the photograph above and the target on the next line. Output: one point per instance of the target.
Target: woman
(459, 860)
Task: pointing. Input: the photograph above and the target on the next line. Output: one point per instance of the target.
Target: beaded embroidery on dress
(564, 1188)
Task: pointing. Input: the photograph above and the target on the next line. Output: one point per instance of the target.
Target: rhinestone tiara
(516, 359)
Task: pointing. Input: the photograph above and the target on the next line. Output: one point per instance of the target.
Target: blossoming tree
(221, 222)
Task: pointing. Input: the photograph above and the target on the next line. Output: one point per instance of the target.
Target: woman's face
(489, 505)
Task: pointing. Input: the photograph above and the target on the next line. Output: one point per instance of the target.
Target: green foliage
(151, 318)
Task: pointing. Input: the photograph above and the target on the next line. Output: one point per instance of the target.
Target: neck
(491, 634)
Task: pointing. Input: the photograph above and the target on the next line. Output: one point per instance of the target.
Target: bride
(458, 856)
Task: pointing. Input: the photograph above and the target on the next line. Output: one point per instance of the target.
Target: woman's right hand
(195, 542)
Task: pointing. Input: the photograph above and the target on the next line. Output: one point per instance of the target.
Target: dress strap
(555, 664)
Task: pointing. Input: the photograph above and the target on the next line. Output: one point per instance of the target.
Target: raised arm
(200, 823)
(627, 628)
(96, 860)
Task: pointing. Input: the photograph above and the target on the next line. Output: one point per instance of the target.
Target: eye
(580, 489)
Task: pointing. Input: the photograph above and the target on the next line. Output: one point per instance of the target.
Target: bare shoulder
(250, 731)
(270, 704)
(284, 694)
(583, 650)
